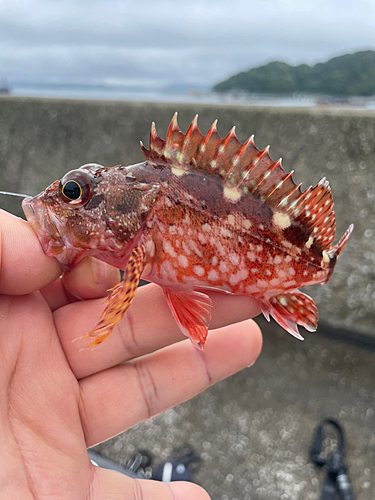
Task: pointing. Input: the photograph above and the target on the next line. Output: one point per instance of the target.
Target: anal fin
(120, 299)
(192, 312)
(291, 309)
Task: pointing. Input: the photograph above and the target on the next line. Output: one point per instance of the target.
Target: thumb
(111, 485)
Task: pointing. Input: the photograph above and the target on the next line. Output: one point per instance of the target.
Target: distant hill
(348, 75)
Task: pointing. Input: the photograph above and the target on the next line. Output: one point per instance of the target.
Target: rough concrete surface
(253, 430)
(41, 139)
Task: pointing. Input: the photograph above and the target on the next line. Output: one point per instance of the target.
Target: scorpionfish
(201, 213)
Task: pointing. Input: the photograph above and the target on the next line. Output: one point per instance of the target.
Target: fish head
(92, 210)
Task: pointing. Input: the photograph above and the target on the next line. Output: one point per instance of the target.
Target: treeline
(347, 75)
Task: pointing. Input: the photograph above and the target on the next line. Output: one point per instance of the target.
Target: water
(195, 96)
(114, 93)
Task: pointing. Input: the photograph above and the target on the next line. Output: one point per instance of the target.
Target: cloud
(164, 42)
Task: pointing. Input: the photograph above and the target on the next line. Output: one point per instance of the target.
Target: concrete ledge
(41, 139)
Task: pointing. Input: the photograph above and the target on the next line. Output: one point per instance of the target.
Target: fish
(201, 213)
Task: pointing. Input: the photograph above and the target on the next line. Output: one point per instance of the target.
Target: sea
(184, 96)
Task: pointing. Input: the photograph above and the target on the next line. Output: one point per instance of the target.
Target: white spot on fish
(239, 276)
(243, 274)
(168, 248)
(167, 202)
(172, 230)
(251, 256)
(213, 275)
(178, 171)
(286, 244)
(252, 289)
(262, 284)
(288, 258)
(233, 279)
(281, 273)
(232, 194)
(194, 248)
(223, 267)
(291, 271)
(206, 228)
(325, 257)
(214, 260)
(277, 259)
(234, 258)
(150, 248)
(199, 271)
(274, 282)
(226, 233)
(231, 219)
(183, 261)
(281, 220)
(254, 270)
(246, 224)
(309, 242)
(290, 283)
(186, 248)
(202, 238)
(283, 301)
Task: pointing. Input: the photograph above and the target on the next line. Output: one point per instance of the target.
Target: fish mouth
(46, 230)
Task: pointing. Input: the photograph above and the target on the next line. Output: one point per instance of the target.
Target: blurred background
(82, 81)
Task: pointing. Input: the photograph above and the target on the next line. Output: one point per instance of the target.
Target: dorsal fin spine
(293, 204)
(153, 133)
(244, 173)
(173, 126)
(221, 150)
(193, 128)
(285, 199)
(266, 174)
(275, 187)
(211, 130)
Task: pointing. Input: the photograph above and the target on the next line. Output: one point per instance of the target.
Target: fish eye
(76, 188)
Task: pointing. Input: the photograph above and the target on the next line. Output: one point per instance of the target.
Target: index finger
(24, 268)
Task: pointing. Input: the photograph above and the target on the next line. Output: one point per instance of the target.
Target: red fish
(201, 213)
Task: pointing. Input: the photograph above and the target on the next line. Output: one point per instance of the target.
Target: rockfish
(201, 213)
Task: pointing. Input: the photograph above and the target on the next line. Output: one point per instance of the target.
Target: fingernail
(100, 271)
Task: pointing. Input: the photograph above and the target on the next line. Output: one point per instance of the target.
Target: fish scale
(201, 213)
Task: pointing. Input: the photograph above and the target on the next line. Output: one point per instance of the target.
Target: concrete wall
(41, 139)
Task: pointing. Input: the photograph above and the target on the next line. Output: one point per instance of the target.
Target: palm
(40, 406)
(58, 399)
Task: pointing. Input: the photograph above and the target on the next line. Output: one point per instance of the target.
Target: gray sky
(161, 42)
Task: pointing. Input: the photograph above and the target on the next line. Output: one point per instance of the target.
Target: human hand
(57, 400)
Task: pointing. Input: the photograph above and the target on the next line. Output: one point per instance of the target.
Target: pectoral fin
(120, 299)
(192, 312)
(290, 309)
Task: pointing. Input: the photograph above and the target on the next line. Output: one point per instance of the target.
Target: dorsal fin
(245, 169)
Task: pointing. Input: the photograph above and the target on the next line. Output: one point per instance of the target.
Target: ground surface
(253, 430)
